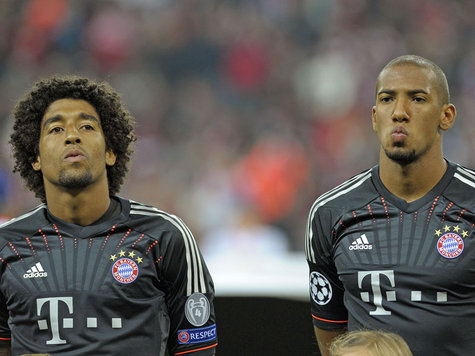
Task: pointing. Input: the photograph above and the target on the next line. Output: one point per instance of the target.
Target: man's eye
(385, 99)
(419, 99)
(87, 127)
(56, 129)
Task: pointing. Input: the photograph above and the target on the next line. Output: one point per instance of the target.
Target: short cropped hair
(116, 121)
(377, 343)
(418, 61)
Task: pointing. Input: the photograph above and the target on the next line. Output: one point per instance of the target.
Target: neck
(80, 208)
(412, 181)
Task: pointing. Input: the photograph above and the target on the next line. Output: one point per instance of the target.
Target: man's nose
(72, 136)
(400, 113)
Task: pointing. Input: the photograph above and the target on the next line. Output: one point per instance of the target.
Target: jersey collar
(419, 203)
(117, 212)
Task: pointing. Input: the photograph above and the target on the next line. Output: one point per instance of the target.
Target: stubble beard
(74, 181)
(402, 158)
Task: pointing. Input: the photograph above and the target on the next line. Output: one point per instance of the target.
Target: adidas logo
(36, 271)
(361, 243)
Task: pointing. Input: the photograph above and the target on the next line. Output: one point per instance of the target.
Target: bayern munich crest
(450, 245)
(125, 270)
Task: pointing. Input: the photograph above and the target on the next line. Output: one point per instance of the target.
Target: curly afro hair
(117, 125)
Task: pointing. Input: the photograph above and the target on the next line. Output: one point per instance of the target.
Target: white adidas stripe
(336, 192)
(36, 268)
(24, 216)
(468, 172)
(465, 175)
(195, 273)
(365, 239)
(464, 180)
(343, 185)
(39, 267)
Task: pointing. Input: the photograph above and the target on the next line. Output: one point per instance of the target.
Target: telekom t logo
(375, 278)
(67, 322)
(54, 317)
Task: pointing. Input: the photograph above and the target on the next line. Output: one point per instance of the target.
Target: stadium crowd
(246, 110)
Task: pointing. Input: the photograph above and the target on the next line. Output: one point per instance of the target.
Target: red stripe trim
(5, 338)
(330, 321)
(203, 348)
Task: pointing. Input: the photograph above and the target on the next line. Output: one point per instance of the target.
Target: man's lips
(399, 133)
(74, 156)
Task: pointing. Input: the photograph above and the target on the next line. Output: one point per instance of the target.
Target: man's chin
(402, 157)
(75, 181)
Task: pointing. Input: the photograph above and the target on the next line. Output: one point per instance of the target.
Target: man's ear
(110, 158)
(447, 117)
(373, 118)
(37, 164)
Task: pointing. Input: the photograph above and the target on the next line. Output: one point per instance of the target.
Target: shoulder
(23, 225)
(150, 220)
(351, 194)
(461, 189)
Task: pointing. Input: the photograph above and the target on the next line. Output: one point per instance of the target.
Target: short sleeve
(189, 295)
(326, 290)
(5, 335)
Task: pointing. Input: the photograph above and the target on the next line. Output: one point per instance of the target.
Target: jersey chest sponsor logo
(125, 270)
(59, 317)
(370, 284)
(450, 244)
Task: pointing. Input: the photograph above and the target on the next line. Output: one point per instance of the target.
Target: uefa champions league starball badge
(320, 288)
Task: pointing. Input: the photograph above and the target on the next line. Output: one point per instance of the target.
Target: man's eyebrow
(59, 117)
(417, 91)
(89, 117)
(386, 91)
(409, 92)
(51, 120)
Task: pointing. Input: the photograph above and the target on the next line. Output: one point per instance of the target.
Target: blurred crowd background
(246, 110)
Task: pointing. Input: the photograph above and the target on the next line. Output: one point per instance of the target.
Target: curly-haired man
(88, 272)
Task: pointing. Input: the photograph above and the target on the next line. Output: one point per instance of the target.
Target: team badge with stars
(126, 266)
(450, 244)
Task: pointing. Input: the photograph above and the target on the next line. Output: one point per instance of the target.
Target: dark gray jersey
(378, 262)
(134, 284)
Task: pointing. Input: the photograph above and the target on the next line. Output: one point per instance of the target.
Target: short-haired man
(393, 248)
